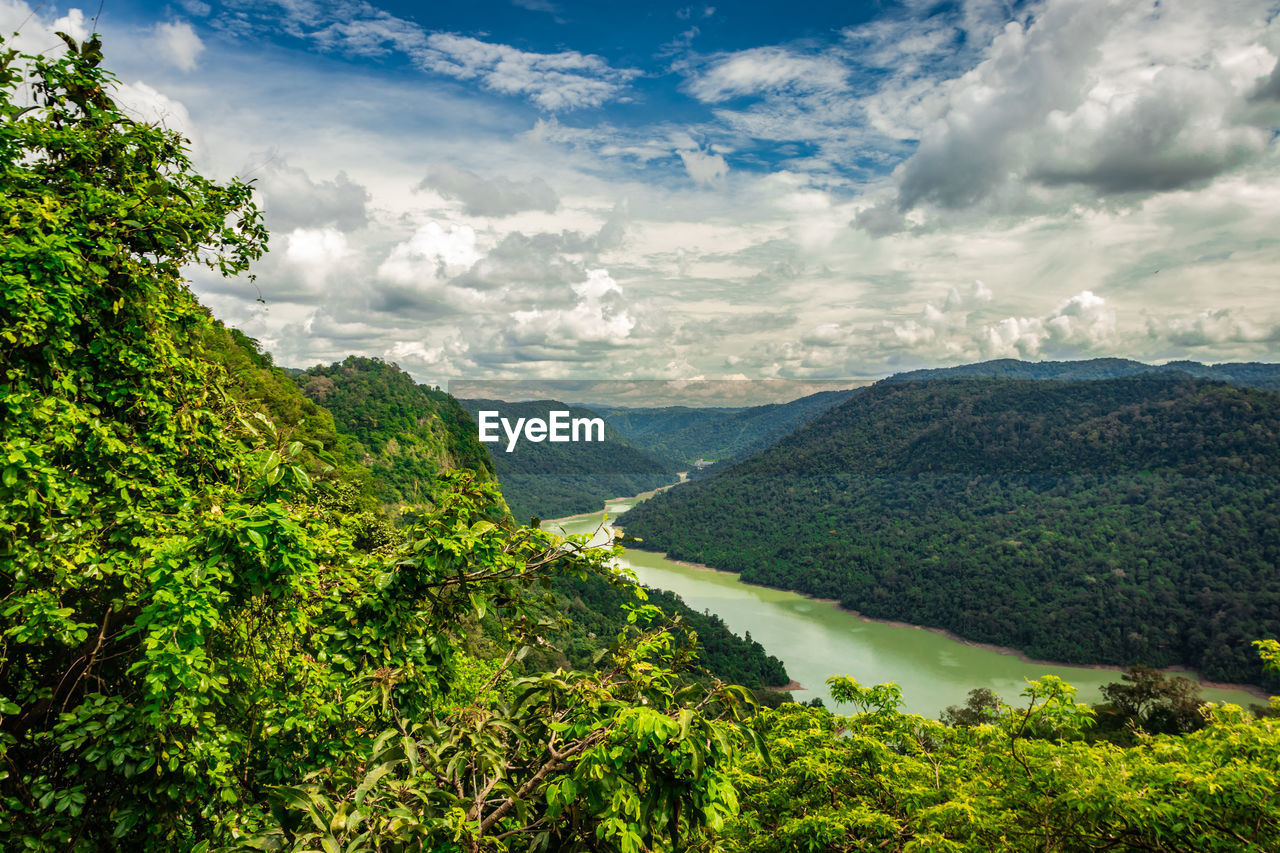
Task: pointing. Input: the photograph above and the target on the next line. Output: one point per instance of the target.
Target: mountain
(1242, 374)
(691, 434)
(1118, 521)
(556, 479)
(406, 433)
(251, 378)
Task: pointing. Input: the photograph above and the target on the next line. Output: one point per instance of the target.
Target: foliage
(405, 433)
(127, 486)
(1244, 374)
(1147, 700)
(1128, 521)
(981, 708)
(205, 646)
(187, 622)
(251, 378)
(617, 759)
(1028, 780)
(595, 610)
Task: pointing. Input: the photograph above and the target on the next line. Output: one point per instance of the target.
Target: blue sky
(761, 190)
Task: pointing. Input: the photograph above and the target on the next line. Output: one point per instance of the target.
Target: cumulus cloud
(496, 196)
(315, 252)
(704, 167)
(145, 103)
(1268, 88)
(596, 317)
(880, 219)
(292, 199)
(73, 24)
(1210, 327)
(756, 270)
(178, 43)
(434, 253)
(1114, 96)
(553, 81)
(1079, 325)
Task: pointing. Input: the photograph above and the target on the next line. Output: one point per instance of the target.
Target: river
(817, 639)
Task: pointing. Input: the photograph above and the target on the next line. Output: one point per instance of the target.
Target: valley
(817, 639)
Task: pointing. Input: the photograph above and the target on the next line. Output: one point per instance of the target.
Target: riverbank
(643, 496)
(1258, 693)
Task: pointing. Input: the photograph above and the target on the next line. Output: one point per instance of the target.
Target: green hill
(1121, 521)
(1242, 374)
(405, 433)
(252, 379)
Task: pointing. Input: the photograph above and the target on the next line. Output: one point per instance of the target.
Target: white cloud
(703, 167)
(1112, 96)
(434, 253)
(595, 318)
(754, 271)
(1079, 326)
(1210, 327)
(145, 103)
(767, 70)
(178, 43)
(315, 247)
(315, 253)
(73, 24)
(553, 81)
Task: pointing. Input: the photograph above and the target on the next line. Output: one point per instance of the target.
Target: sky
(510, 189)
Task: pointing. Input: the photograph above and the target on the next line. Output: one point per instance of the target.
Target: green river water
(816, 639)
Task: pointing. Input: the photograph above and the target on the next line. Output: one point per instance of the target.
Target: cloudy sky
(555, 189)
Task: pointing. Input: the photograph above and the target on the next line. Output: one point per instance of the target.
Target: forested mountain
(689, 434)
(1242, 374)
(201, 649)
(405, 433)
(1120, 521)
(556, 479)
(254, 381)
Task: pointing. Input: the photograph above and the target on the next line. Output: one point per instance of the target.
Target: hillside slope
(690, 434)
(1122, 521)
(557, 479)
(406, 433)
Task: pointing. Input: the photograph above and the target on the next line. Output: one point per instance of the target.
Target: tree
(1148, 701)
(188, 630)
(982, 707)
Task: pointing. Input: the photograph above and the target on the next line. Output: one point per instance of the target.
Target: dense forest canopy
(204, 645)
(1121, 521)
(405, 433)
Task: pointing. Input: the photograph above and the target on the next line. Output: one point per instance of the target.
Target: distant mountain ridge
(556, 479)
(1122, 521)
(690, 434)
(1251, 374)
